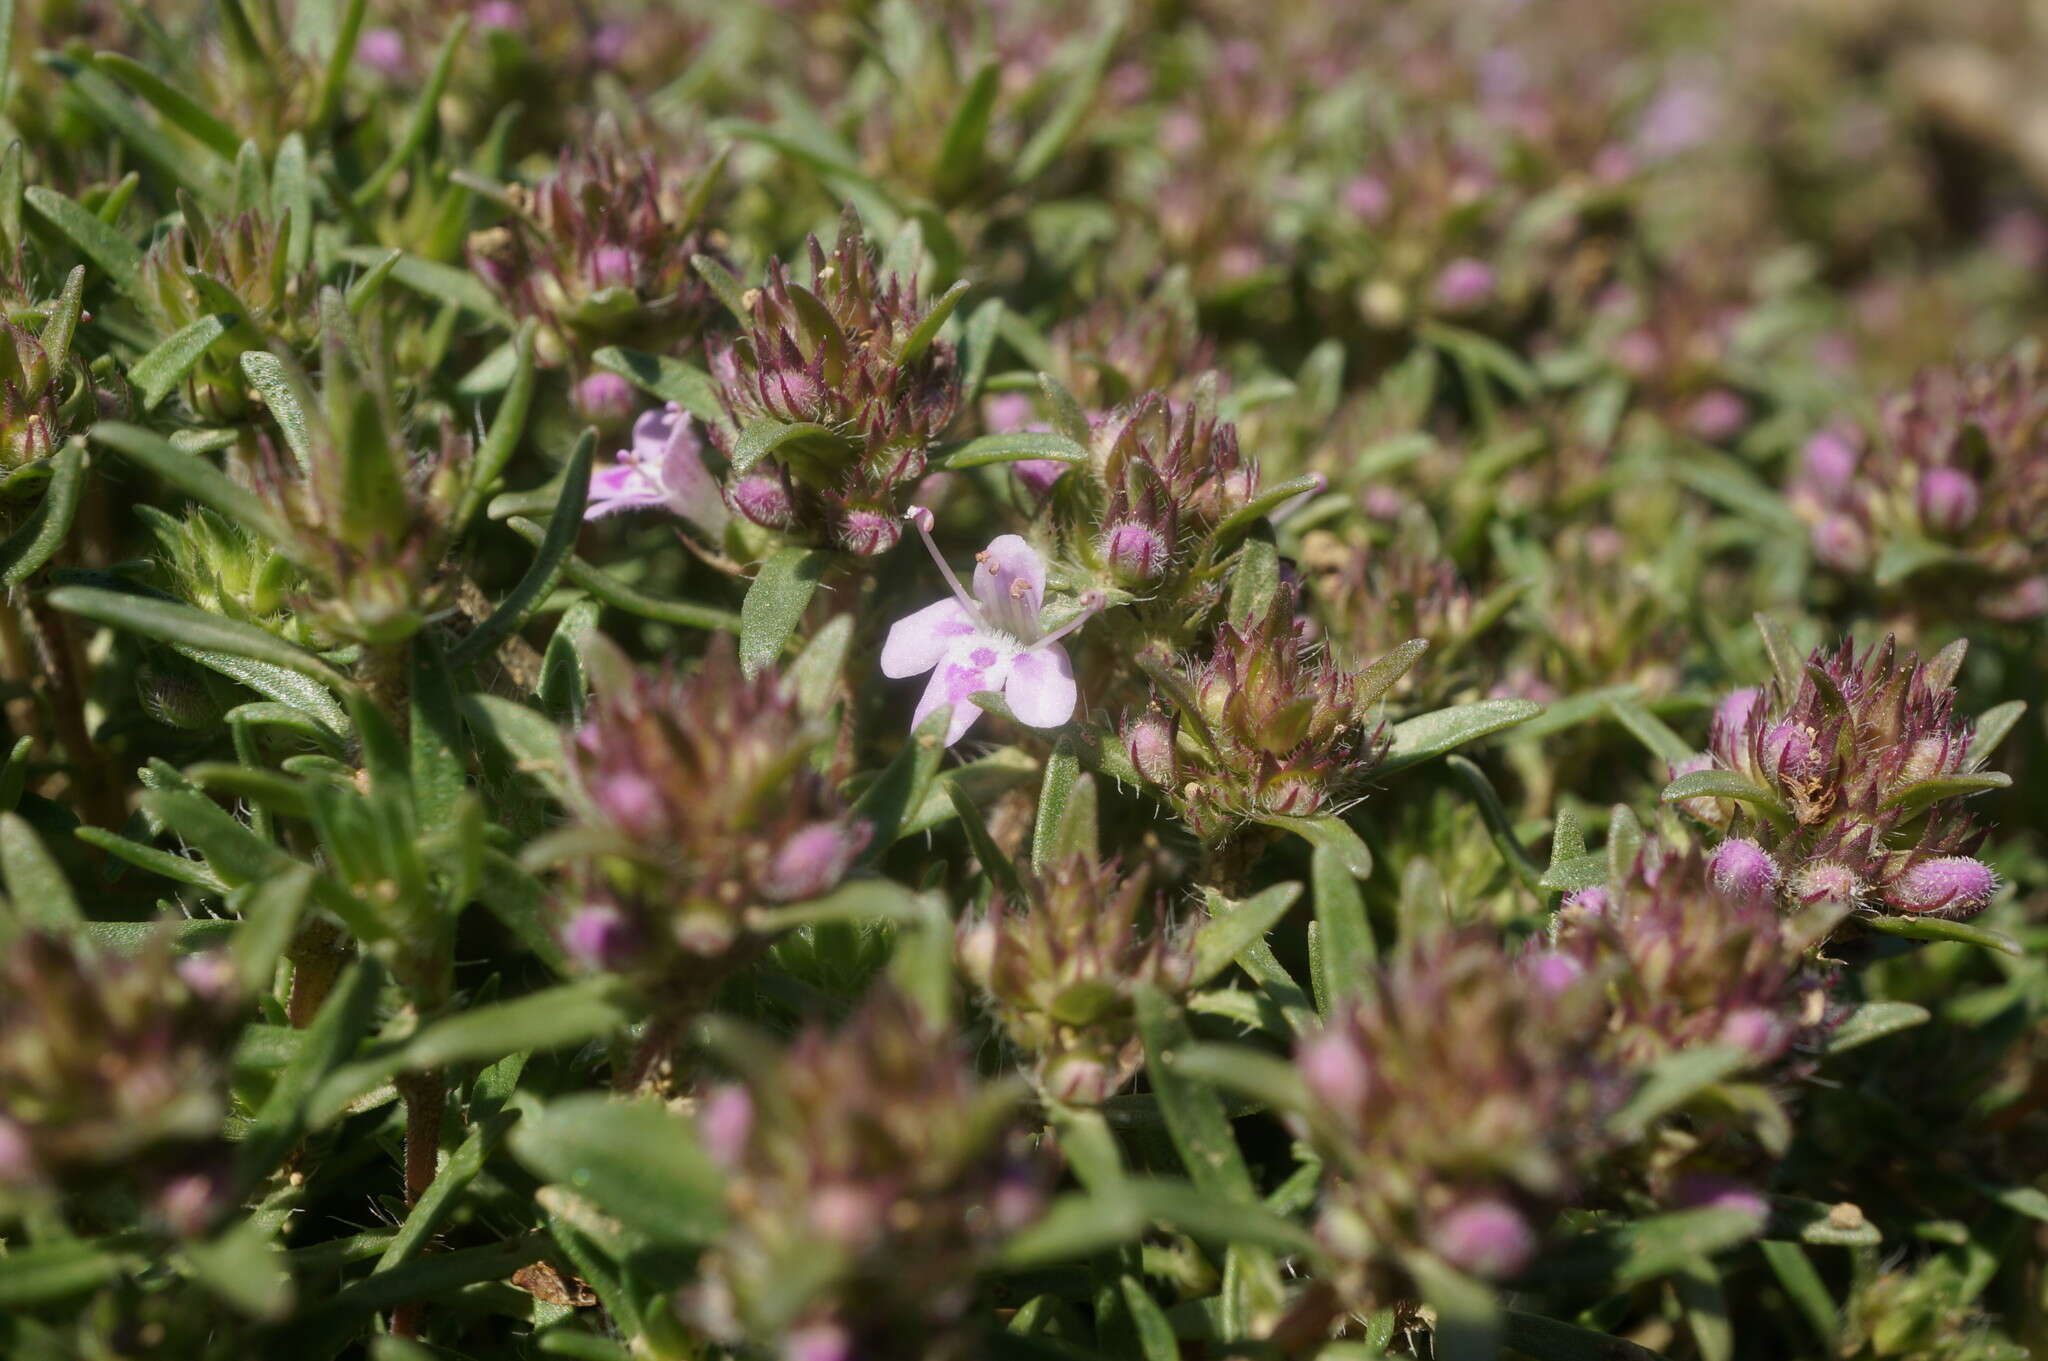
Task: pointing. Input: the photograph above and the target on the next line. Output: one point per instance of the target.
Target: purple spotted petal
(1009, 581)
(916, 642)
(1041, 687)
(972, 665)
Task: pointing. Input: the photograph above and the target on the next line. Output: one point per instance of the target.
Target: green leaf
(1726, 784)
(291, 199)
(437, 282)
(36, 887)
(270, 918)
(1549, 1339)
(194, 476)
(1627, 1255)
(921, 337)
(960, 149)
(547, 566)
(1195, 1119)
(243, 1266)
(63, 323)
(671, 380)
(164, 367)
(1993, 726)
(1234, 525)
(1648, 729)
(764, 436)
(114, 255)
(178, 108)
(1234, 927)
(312, 701)
(618, 595)
(888, 802)
(1874, 1021)
(1675, 1080)
(1074, 102)
(1788, 663)
(186, 627)
(528, 737)
(1079, 1225)
(572, 1013)
(38, 1275)
(332, 1036)
(637, 1161)
(1427, 736)
(1272, 1082)
(425, 111)
(724, 286)
(44, 531)
(1012, 447)
(1061, 773)
(441, 1198)
(775, 603)
(1921, 793)
(273, 382)
(1155, 1334)
(1326, 832)
(177, 868)
(1377, 679)
(1469, 1319)
(1937, 929)
(1348, 952)
(1809, 1294)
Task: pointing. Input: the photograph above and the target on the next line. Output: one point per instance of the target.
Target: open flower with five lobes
(989, 641)
(664, 470)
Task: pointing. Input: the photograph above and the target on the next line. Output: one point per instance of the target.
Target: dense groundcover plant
(868, 680)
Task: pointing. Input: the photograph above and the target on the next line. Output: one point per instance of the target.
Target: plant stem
(424, 1095)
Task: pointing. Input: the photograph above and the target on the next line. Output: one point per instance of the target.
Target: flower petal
(693, 492)
(621, 486)
(1041, 687)
(1009, 580)
(974, 664)
(916, 642)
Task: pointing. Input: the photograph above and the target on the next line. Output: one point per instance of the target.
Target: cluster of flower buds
(1929, 1309)
(1060, 967)
(870, 1164)
(367, 521)
(702, 803)
(204, 558)
(1949, 501)
(1267, 725)
(1170, 473)
(1856, 807)
(1456, 1107)
(848, 354)
(1119, 348)
(199, 267)
(1372, 600)
(601, 253)
(44, 394)
(1672, 338)
(113, 1073)
(1692, 951)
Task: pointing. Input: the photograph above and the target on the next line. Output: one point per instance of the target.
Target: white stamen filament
(1091, 605)
(921, 517)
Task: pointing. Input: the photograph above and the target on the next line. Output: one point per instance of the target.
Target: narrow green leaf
(114, 255)
(270, 918)
(618, 595)
(42, 1274)
(1470, 1322)
(775, 603)
(1936, 929)
(547, 566)
(40, 536)
(178, 869)
(331, 1037)
(441, 1198)
(1921, 793)
(63, 320)
(164, 367)
(1233, 927)
(441, 283)
(506, 427)
(726, 288)
(1725, 784)
(1874, 1021)
(1236, 524)
(178, 108)
(1061, 772)
(1060, 125)
(671, 380)
(1155, 1334)
(1674, 1081)
(420, 125)
(961, 146)
(243, 1266)
(1809, 1294)
(281, 397)
(920, 339)
(181, 624)
(1349, 953)
(1195, 1119)
(1428, 736)
(764, 436)
(36, 886)
(1549, 1339)
(637, 1161)
(1012, 447)
(1327, 832)
(1648, 729)
(194, 476)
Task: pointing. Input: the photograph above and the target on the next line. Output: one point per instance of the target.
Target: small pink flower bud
(1137, 553)
(189, 1202)
(846, 1214)
(817, 1342)
(868, 533)
(1555, 972)
(1827, 882)
(382, 50)
(1947, 499)
(17, 1158)
(725, 1122)
(613, 267)
(1757, 1032)
(1840, 542)
(762, 498)
(210, 974)
(500, 14)
(632, 801)
(1948, 883)
(1367, 196)
(814, 860)
(1743, 870)
(1790, 754)
(1337, 1074)
(1732, 716)
(1588, 902)
(1465, 285)
(605, 399)
(1716, 416)
(599, 936)
(1485, 1236)
(1704, 1191)
(1638, 353)
(1078, 1080)
(2021, 604)
(1829, 461)
(1149, 742)
(1038, 474)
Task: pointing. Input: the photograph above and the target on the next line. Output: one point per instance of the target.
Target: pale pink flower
(664, 470)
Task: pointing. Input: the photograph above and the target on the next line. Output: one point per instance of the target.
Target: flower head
(991, 641)
(663, 470)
